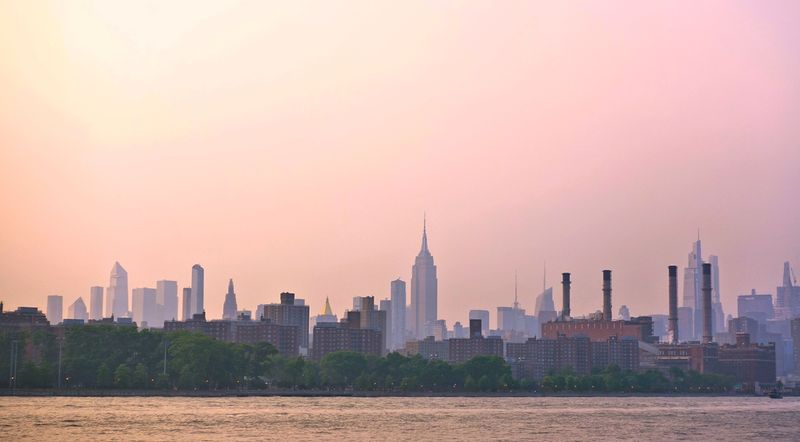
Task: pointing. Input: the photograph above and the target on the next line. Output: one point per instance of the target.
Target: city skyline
(285, 167)
(541, 302)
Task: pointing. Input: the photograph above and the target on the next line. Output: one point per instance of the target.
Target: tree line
(109, 357)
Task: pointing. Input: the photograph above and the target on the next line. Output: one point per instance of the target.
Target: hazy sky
(294, 146)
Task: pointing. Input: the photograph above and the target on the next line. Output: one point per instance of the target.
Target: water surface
(265, 418)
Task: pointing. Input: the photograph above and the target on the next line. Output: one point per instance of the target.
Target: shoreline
(327, 393)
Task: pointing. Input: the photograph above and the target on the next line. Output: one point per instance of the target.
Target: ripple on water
(600, 418)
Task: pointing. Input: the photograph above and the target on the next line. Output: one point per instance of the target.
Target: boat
(775, 394)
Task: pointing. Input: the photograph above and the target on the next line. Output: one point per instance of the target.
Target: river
(385, 418)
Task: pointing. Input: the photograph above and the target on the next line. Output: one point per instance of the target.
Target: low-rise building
(285, 338)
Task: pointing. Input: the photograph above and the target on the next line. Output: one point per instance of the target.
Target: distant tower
(96, 303)
(198, 290)
(187, 303)
(692, 286)
(424, 288)
(55, 309)
(117, 292)
(398, 298)
(144, 309)
(167, 300)
(229, 308)
(78, 310)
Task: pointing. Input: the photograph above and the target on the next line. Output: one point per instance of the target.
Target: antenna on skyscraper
(516, 304)
(544, 277)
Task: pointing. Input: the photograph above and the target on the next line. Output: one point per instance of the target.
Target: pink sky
(295, 146)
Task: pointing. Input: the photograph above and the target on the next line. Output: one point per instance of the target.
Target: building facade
(424, 289)
(55, 309)
(398, 327)
(117, 292)
(96, 302)
(229, 308)
(197, 300)
(166, 301)
(288, 313)
(283, 337)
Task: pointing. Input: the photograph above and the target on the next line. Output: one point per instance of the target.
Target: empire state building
(424, 288)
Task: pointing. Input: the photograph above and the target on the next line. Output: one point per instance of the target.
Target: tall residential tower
(198, 290)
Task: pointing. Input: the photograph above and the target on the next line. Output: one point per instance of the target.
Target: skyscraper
(167, 300)
(117, 292)
(787, 301)
(229, 308)
(198, 281)
(55, 309)
(716, 302)
(385, 306)
(186, 303)
(693, 291)
(398, 298)
(96, 302)
(143, 306)
(424, 289)
(78, 310)
(483, 316)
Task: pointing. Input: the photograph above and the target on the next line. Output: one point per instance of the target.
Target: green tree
(162, 381)
(340, 369)
(105, 379)
(122, 376)
(140, 378)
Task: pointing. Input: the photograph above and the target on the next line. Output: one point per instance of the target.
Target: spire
(230, 285)
(424, 248)
(544, 278)
(327, 311)
(787, 274)
(516, 303)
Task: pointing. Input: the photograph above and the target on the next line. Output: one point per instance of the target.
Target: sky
(295, 146)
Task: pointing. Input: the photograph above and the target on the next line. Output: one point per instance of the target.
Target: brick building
(288, 312)
(285, 338)
(747, 362)
(640, 328)
(330, 337)
(535, 358)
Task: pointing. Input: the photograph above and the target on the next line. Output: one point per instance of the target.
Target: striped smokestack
(607, 295)
(708, 337)
(565, 282)
(673, 304)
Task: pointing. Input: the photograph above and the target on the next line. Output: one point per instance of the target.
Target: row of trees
(612, 379)
(122, 357)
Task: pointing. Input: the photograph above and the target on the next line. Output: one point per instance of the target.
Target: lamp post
(60, 345)
(12, 378)
(165, 356)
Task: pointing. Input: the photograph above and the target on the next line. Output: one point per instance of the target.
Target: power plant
(607, 295)
(673, 304)
(565, 283)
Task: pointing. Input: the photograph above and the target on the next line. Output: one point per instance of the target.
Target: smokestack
(565, 282)
(607, 295)
(708, 337)
(673, 304)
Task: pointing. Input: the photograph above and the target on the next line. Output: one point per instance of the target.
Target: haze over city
(297, 147)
